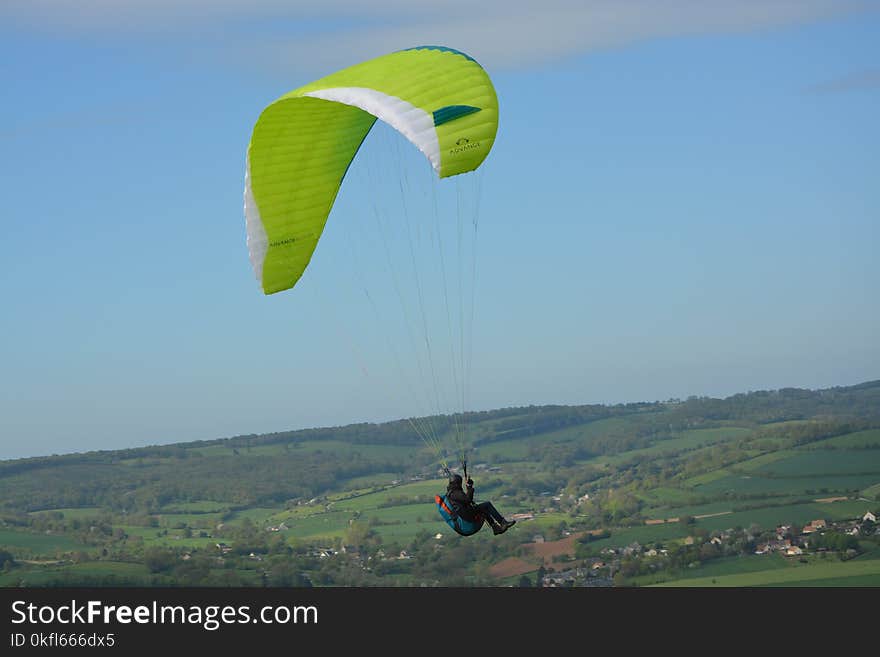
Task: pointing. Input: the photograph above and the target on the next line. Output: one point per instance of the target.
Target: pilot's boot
(503, 527)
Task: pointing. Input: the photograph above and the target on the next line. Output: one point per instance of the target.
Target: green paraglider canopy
(440, 99)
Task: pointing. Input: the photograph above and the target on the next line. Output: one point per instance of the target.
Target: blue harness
(460, 525)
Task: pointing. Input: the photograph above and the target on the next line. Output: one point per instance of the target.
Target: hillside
(696, 491)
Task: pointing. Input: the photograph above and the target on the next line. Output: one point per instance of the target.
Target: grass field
(648, 534)
(736, 469)
(855, 573)
(73, 513)
(259, 515)
(41, 575)
(194, 520)
(770, 517)
(516, 449)
(202, 506)
(725, 566)
(157, 536)
(369, 481)
(869, 438)
(327, 525)
(816, 486)
(822, 463)
(29, 542)
(680, 511)
(422, 490)
(668, 497)
(687, 440)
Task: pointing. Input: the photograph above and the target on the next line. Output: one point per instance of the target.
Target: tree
(158, 560)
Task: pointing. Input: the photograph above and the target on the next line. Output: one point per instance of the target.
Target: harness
(450, 513)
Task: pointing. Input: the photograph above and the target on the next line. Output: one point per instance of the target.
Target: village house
(814, 526)
(633, 548)
(564, 578)
(773, 546)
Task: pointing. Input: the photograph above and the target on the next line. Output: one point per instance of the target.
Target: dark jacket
(462, 502)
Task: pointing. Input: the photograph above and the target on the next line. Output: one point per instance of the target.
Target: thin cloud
(317, 34)
(521, 35)
(861, 81)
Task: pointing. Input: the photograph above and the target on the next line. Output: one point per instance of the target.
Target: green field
(856, 573)
(753, 563)
(418, 490)
(202, 506)
(648, 534)
(858, 439)
(680, 511)
(816, 486)
(39, 576)
(73, 513)
(157, 536)
(821, 463)
(687, 440)
(518, 449)
(194, 520)
(29, 542)
(770, 517)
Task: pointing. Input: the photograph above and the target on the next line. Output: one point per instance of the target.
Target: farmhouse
(813, 526)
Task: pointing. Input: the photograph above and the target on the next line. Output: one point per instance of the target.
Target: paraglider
(458, 509)
(303, 144)
(440, 99)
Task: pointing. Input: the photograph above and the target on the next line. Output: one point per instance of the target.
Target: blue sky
(682, 200)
